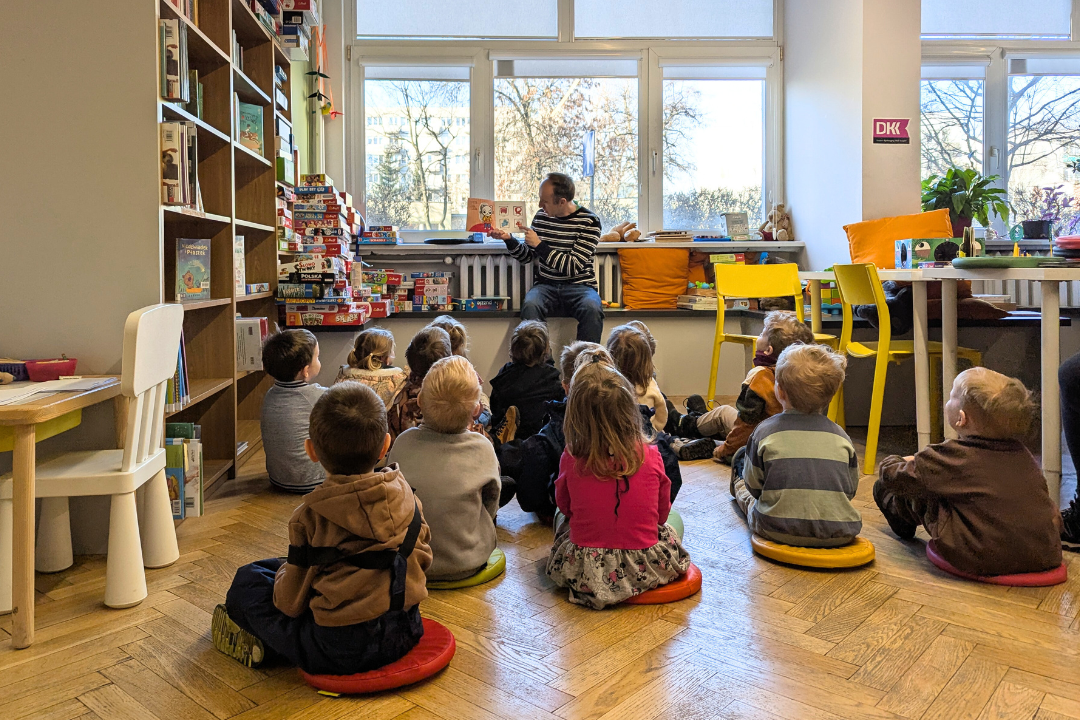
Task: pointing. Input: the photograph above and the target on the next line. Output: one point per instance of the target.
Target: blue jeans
(580, 302)
(319, 650)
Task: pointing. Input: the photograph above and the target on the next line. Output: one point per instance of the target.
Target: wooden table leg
(22, 560)
(948, 346)
(922, 365)
(1051, 399)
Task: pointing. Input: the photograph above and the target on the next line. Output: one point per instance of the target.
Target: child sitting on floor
(796, 477)
(757, 398)
(426, 347)
(459, 345)
(538, 463)
(982, 497)
(339, 604)
(633, 354)
(452, 470)
(523, 387)
(612, 489)
(291, 357)
(371, 363)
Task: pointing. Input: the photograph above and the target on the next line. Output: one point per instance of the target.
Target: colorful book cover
(172, 86)
(239, 266)
(192, 269)
(176, 461)
(479, 215)
(510, 216)
(251, 127)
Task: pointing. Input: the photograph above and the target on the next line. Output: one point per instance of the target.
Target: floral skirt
(599, 577)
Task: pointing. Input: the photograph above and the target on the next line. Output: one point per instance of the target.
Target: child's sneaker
(234, 641)
(1070, 527)
(508, 427)
(696, 404)
(693, 449)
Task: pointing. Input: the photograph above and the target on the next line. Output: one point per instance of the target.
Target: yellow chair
(859, 285)
(754, 281)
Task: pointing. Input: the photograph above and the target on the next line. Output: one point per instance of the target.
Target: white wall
(823, 53)
(78, 177)
(890, 89)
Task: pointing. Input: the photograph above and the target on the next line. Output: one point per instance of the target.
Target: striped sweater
(566, 249)
(803, 471)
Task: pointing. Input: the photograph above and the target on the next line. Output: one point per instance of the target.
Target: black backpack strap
(396, 561)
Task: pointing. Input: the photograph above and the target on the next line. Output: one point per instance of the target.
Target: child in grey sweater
(291, 357)
(453, 471)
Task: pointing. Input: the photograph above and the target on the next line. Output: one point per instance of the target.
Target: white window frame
(477, 55)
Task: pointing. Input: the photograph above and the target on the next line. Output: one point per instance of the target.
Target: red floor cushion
(681, 587)
(430, 655)
(1037, 579)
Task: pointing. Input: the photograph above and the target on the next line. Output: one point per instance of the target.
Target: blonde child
(459, 345)
(981, 497)
(371, 363)
(796, 477)
(427, 346)
(633, 355)
(453, 471)
(615, 496)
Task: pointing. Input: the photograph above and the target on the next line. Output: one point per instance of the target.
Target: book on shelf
(176, 389)
(239, 266)
(195, 92)
(187, 8)
(191, 436)
(179, 165)
(250, 122)
(176, 462)
(192, 269)
(237, 53)
(281, 100)
(172, 37)
(251, 333)
(280, 78)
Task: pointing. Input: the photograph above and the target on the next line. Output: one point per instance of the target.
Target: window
(414, 188)
(543, 110)
(673, 18)
(1044, 139)
(456, 19)
(951, 117)
(714, 144)
(1044, 19)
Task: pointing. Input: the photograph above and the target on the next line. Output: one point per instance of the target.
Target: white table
(1048, 279)
(920, 331)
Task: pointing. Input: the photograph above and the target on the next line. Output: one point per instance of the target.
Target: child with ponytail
(612, 489)
(371, 363)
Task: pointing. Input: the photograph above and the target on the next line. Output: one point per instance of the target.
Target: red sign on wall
(891, 131)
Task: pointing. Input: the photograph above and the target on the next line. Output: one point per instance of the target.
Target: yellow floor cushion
(495, 567)
(859, 552)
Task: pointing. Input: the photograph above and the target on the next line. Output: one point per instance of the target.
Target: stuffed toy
(6, 378)
(623, 232)
(778, 224)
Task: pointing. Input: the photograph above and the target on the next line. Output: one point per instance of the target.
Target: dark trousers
(318, 650)
(1069, 380)
(900, 512)
(580, 302)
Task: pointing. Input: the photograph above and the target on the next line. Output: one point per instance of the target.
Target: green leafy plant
(967, 194)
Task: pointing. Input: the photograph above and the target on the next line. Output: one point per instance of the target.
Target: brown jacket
(355, 513)
(757, 401)
(987, 506)
(403, 412)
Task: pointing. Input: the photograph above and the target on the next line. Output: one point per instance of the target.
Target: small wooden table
(24, 416)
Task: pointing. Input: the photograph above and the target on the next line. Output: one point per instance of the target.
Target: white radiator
(499, 275)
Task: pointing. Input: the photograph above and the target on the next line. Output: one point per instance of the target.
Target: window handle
(654, 158)
(478, 151)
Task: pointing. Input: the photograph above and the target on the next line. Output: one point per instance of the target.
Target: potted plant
(968, 195)
(1050, 212)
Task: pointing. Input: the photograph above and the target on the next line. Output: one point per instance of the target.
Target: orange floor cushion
(680, 588)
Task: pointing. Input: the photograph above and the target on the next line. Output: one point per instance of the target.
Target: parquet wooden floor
(896, 639)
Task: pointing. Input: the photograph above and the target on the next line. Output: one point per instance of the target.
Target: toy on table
(623, 232)
(6, 378)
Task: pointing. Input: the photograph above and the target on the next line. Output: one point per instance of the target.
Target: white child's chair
(141, 531)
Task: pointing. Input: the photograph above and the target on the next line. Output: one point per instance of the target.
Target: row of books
(184, 469)
(173, 56)
(177, 388)
(180, 165)
(187, 8)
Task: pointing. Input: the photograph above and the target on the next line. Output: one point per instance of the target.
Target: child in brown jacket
(347, 599)
(982, 497)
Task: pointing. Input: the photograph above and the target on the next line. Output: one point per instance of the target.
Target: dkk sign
(891, 131)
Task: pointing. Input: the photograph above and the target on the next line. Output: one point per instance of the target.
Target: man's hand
(499, 234)
(531, 238)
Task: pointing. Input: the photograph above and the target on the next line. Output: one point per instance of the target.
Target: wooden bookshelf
(238, 191)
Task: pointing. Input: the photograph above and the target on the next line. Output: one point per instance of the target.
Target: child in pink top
(615, 495)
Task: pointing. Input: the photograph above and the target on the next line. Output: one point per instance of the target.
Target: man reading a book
(562, 240)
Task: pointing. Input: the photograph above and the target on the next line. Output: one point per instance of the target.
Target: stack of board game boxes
(431, 291)
(377, 235)
(389, 292)
(378, 288)
(315, 291)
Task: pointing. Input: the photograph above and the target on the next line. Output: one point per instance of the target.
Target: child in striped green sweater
(796, 476)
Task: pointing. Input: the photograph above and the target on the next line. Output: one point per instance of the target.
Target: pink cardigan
(589, 504)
